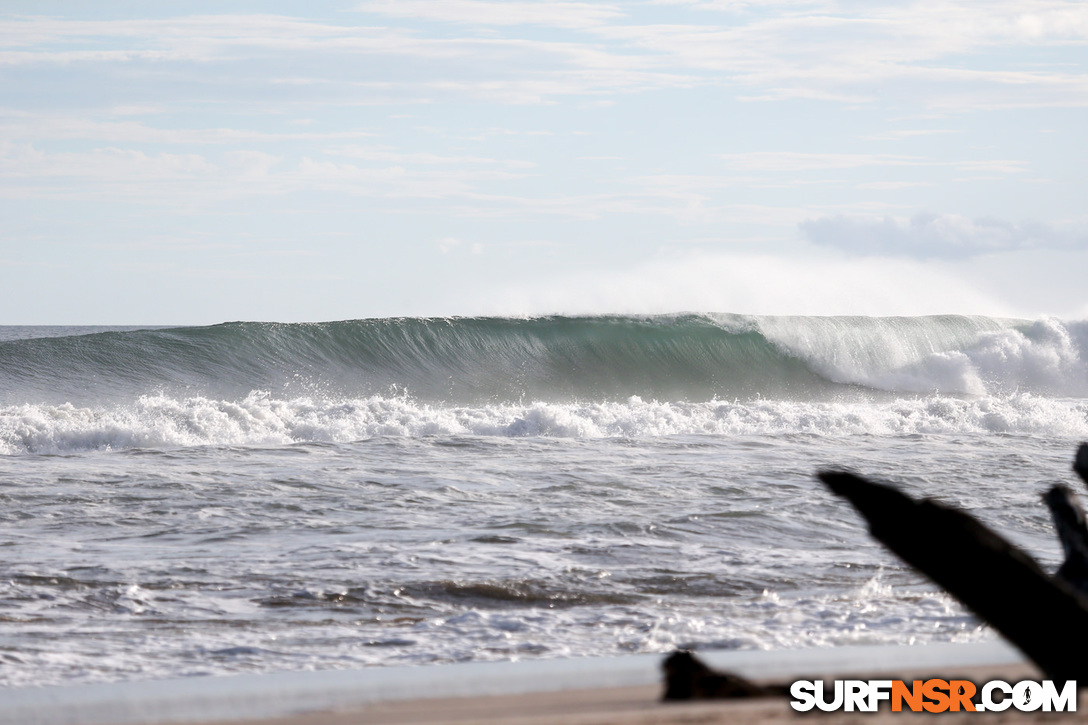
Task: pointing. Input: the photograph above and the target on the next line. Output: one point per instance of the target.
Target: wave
(260, 420)
(557, 359)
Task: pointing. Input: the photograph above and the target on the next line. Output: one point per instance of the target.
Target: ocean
(257, 497)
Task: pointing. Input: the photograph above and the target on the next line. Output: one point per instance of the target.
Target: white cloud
(933, 236)
(391, 181)
(101, 165)
(776, 161)
(66, 127)
(389, 155)
(481, 12)
(252, 164)
(111, 172)
(784, 163)
(470, 186)
(923, 50)
(901, 134)
(947, 56)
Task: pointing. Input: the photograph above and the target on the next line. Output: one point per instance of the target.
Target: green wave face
(494, 360)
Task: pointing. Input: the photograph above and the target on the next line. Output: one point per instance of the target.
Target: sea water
(255, 497)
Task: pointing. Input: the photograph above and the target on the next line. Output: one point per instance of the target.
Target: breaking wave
(261, 383)
(492, 360)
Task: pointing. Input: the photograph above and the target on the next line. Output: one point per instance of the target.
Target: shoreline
(626, 686)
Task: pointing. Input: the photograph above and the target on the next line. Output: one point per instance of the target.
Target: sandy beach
(639, 706)
(599, 691)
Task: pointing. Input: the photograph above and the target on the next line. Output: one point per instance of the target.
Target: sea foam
(160, 421)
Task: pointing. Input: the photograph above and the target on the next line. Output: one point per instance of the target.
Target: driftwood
(1069, 522)
(688, 678)
(1044, 617)
(1080, 463)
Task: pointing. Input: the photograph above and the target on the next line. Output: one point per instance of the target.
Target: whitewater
(252, 497)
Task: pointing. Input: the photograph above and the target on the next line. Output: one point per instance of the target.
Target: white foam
(962, 356)
(161, 421)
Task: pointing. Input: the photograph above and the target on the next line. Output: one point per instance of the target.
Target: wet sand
(589, 691)
(642, 706)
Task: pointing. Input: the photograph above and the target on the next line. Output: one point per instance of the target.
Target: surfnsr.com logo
(933, 696)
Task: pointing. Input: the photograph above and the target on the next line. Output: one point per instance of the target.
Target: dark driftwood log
(1069, 522)
(1080, 463)
(1000, 583)
(687, 678)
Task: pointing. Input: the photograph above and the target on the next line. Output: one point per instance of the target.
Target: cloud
(389, 155)
(946, 56)
(466, 186)
(901, 134)
(780, 161)
(481, 12)
(106, 165)
(398, 62)
(112, 173)
(928, 236)
(60, 127)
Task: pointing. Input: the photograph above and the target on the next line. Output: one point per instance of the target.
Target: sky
(198, 162)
